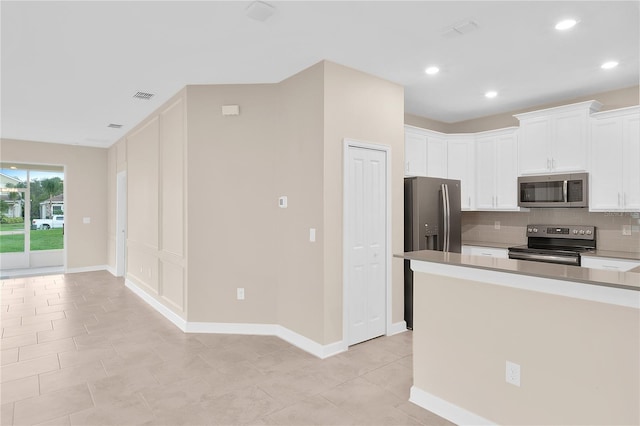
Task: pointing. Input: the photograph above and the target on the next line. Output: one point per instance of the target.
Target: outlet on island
(240, 293)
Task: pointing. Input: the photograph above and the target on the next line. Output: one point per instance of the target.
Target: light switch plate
(86, 220)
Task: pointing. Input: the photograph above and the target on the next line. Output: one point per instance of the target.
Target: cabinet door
(461, 166)
(631, 162)
(506, 173)
(569, 142)
(415, 155)
(485, 173)
(533, 153)
(605, 179)
(436, 157)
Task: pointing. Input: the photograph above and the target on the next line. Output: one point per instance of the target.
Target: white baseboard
(308, 345)
(111, 270)
(87, 269)
(166, 312)
(396, 328)
(445, 409)
(298, 340)
(232, 328)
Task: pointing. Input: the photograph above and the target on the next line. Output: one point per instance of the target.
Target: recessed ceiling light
(491, 94)
(13, 168)
(608, 65)
(432, 70)
(566, 24)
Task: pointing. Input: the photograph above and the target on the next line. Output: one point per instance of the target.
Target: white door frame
(348, 144)
(121, 223)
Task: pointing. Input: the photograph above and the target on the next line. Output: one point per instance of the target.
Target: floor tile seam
(23, 334)
(345, 409)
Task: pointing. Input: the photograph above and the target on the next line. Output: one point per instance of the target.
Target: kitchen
(522, 306)
(287, 140)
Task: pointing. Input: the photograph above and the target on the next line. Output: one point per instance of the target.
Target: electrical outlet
(513, 373)
(496, 224)
(626, 229)
(240, 293)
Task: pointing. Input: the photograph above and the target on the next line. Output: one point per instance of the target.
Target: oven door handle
(565, 191)
(566, 260)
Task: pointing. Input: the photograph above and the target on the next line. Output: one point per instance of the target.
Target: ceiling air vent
(458, 29)
(114, 126)
(143, 95)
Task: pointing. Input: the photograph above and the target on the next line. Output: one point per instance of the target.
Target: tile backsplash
(481, 226)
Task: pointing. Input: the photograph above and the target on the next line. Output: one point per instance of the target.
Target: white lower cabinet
(609, 263)
(499, 253)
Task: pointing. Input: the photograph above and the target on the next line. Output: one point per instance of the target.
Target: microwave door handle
(565, 192)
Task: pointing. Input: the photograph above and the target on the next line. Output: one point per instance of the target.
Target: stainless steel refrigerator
(431, 222)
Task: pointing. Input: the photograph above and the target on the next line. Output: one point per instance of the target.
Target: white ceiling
(71, 68)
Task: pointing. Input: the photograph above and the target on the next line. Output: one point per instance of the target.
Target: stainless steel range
(556, 244)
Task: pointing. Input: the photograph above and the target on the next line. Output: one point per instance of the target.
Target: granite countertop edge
(625, 280)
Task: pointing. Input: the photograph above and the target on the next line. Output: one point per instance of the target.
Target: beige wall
(85, 194)
(365, 108)
(233, 203)
(287, 140)
(479, 226)
(611, 100)
(427, 123)
(299, 176)
(579, 359)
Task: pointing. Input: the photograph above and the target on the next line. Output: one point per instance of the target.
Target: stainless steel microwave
(561, 190)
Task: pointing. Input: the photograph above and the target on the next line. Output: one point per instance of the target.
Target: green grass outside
(11, 227)
(44, 239)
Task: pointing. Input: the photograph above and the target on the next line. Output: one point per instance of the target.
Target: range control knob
(582, 232)
(575, 232)
(535, 229)
(589, 232)
(529, 229)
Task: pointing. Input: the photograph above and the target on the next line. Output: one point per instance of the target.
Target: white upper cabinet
(415, 154)
(496, 170)
(437, 155)
(425, 152)
(615, 160)
(461, 159)
(555, 140)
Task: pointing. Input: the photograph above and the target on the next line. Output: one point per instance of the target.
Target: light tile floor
(81, 349)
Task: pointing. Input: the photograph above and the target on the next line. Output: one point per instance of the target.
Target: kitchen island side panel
(579, 359)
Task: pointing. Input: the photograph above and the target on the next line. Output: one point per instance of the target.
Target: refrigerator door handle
(444, 189)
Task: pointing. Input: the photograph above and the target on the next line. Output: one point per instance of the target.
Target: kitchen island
(573, 333)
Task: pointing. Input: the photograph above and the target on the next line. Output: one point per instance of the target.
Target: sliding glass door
(31, 216)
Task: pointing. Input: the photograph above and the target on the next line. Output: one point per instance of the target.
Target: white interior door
(366, 245)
